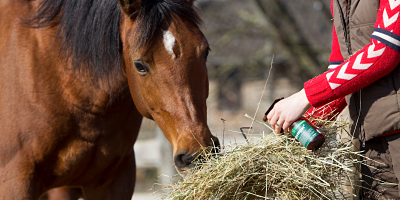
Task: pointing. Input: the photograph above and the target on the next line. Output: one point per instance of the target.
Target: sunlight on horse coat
(76, 77)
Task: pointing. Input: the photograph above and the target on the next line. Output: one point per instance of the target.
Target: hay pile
(273, 167)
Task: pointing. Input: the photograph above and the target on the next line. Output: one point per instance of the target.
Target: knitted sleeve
(336, 58)
(332, 109)
(374, 61)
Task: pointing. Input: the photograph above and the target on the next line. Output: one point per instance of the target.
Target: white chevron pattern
(372, 53)
(349, 70)
(334, 85)
(342, 73)
(394, 3)
(328, 75)
(357, 63)
(389, 21)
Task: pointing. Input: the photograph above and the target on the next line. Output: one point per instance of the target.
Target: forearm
(375, 60)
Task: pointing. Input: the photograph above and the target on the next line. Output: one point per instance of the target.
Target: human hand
(287, 111)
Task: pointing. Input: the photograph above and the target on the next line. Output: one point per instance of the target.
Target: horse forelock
(89, 34)
(156, 13)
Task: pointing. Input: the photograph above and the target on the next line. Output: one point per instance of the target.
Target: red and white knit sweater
(374, 61)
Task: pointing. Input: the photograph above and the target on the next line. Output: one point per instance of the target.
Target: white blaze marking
(169, 42)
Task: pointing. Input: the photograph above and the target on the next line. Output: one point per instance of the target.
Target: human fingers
(296, 105)
(286, 126)
(273, 120)
(292, 108)
(265, 118)
(278, 125)
(270, 114)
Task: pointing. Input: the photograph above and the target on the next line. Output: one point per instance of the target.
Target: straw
(273, 167)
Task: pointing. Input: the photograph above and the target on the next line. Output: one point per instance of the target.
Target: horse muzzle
(185, 160)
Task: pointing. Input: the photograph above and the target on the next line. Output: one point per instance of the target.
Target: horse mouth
(186, 164)
(185, 172)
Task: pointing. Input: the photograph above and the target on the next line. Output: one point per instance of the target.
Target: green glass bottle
(307, 134)
(303, 130)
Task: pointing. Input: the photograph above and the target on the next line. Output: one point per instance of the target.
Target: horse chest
(95, 144)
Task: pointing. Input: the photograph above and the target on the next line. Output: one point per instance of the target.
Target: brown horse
(76, 77)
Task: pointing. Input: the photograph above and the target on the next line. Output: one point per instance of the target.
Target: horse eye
(141, 67)
(207, 52)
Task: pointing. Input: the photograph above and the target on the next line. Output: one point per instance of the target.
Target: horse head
(165, 56)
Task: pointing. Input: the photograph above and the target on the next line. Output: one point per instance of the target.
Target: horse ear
(129, 6)
(191, 1)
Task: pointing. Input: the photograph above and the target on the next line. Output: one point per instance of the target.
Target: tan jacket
(380, 102)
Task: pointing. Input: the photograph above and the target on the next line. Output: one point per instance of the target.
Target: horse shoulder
(45, 128)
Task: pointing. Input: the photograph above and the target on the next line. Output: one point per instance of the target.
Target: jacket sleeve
(332, 109)
(374, 61)
(336, 58)
(328, 111)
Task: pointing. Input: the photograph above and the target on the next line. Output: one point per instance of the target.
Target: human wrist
(306, 104)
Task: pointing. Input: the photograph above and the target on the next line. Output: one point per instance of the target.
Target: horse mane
(154, 13)
(89, 34)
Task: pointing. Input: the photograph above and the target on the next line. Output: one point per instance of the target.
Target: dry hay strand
(273, 167)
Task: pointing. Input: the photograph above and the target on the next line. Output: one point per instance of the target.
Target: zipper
(343, 21)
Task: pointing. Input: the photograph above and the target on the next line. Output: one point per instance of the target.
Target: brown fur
(60, 129)
(63, 193)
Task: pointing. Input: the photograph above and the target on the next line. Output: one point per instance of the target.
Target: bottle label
(304, 133)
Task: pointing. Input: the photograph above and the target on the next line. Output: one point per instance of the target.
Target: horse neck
(81, 91)
(31, 54)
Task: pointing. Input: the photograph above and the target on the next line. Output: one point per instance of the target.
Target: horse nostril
(184, 161)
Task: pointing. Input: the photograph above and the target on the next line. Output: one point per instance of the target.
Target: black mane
(89, 30)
